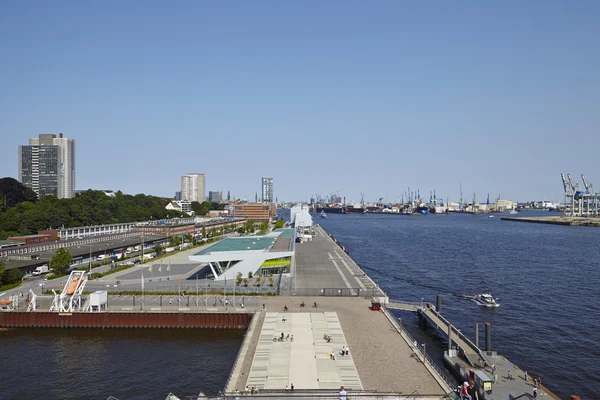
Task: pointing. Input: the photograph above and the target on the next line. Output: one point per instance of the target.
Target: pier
(558, 220)
(327, 303)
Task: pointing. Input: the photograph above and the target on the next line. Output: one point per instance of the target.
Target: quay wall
(567, 221)
(105, 320)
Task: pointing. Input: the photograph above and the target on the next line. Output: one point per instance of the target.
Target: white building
(267, 190)
(181, 206)
(193, 187)
(47, 166)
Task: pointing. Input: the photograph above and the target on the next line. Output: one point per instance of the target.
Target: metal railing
(442, 374)
(324, 394)
(337, 292)
(459, 333)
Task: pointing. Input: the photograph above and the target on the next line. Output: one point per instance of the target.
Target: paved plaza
(303, 357)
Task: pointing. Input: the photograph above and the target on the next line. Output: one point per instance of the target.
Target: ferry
(485, 300)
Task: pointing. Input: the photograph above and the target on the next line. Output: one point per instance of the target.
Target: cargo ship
(355, 209)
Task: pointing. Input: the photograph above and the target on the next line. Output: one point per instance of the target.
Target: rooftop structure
(269, 254)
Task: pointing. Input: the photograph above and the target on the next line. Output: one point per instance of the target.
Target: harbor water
(544, 276)
(127, 364)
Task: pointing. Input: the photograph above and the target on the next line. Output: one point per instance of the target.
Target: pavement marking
(363, 287)
(344, 278)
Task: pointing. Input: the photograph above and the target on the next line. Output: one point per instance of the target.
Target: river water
(128, 364)
(546, 278)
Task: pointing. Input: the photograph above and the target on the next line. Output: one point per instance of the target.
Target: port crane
(581, 203)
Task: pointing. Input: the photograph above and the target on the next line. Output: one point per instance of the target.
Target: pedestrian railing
(426, 358)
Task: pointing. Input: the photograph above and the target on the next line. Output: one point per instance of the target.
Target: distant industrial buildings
(267, 190)
(47, 166)
(193, 187)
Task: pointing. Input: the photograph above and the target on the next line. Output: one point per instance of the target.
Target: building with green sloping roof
(260, 255)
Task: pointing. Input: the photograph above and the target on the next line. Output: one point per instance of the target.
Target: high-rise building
(192, 187)
(178, 195)
(215, 197)
(47, 166)
(267, 190)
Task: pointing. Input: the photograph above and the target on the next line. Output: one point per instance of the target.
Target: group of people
(248, 390)
(468, 391)
(345, 350)
(283, 338)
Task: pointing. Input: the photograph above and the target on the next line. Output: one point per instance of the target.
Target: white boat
(513, 212)
(491, 216)
(485, 300)
(323, 215)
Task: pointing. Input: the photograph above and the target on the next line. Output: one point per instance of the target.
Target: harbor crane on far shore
(580, 203)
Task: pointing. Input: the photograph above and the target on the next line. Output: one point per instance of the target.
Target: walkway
(302, 359)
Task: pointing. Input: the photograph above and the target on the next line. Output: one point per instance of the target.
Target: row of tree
(22, 214)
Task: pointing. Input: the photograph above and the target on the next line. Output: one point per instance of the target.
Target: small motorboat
(491, 216)
(513, 212)
(323, 215)
(485, 300)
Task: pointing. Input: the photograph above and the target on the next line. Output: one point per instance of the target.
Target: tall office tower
(267, 190)
(215, 197)
(192, 187)
(228, 195)
(47, 166)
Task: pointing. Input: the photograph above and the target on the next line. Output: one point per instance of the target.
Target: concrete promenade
(383, 359)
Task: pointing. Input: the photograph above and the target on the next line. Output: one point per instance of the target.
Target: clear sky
(354, 96)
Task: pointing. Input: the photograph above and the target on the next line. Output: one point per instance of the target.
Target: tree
(2, 268)
(238, 278)
(12, 276)
(258, 281)
(241, 230)
(12, 192)
(279, 224)
(249, 274)
(271, 281)
(245, 282)
(264, 227)
(249, 226)
(158, 249)
(60, 262)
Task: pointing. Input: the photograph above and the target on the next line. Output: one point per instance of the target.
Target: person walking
(347, 350)
(534, 392)
(343, 394)
(343, 350)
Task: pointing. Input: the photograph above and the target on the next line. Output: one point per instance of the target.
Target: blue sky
(322, 96)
